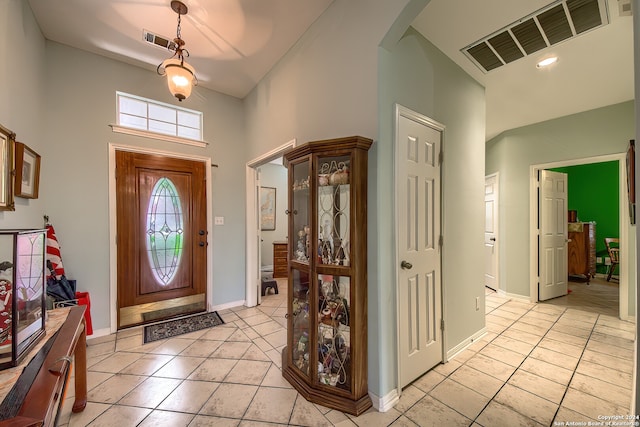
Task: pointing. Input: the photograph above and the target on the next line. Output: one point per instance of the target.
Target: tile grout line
(576, 368)
(475, 420)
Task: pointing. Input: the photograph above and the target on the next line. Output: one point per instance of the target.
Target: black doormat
(172, 328)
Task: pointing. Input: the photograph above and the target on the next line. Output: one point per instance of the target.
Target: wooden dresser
(280, 259)
(582, 249)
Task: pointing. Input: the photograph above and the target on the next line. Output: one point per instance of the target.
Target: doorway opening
(588, 289)
(263, 232)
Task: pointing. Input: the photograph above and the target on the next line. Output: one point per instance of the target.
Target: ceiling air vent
(559, 21)
(157, 40)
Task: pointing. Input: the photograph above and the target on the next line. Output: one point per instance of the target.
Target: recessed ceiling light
(547, 62)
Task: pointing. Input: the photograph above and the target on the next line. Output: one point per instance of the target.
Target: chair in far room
(613, 248)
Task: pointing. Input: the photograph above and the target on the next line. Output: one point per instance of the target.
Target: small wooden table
(42, 401)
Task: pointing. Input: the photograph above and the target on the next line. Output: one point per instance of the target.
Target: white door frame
(113, 250)
(253, 229)
(401, 111)
(623, 219)
(497, 231)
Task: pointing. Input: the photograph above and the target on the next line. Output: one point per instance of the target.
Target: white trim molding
(227, 305)
(384, 403)
(153, 135)
(252, 273)
(466, 343)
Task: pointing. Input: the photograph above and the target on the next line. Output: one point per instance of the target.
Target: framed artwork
(7, 141)
(267, 208)
(27, 172)
(631, 180)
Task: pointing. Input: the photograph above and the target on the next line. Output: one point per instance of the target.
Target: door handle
(406, 265)
(493, 239)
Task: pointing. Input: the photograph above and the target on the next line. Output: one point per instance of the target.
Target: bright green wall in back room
(593, 192)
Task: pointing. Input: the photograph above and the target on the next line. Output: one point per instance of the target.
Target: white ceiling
(594, 69)
(234, 43)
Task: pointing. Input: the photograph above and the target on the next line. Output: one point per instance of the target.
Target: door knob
(406, 265)
(201, 243)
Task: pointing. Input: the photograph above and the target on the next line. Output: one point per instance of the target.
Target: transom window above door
(146, 117)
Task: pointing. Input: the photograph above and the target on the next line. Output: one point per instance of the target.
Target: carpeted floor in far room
(536, 364)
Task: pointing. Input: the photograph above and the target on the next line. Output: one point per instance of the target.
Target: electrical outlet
(599, 260)
(607, 261)
(477, 303)
(219, 220)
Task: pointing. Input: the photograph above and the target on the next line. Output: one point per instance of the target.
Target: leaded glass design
(165, 232)
(30, 261)
(333, 210)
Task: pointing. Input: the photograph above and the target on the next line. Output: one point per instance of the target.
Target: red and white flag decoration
(53, 252)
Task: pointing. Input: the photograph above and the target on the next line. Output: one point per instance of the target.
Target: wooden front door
(161, 232)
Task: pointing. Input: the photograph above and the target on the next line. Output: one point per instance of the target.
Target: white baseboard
(631, 319)
(383, 404)
(97, 333)
(517, 297)
(466, 343)
(227, 305)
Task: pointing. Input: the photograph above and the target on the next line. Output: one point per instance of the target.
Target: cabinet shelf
(326, 354)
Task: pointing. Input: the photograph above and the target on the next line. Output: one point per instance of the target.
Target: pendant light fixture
(181, 77)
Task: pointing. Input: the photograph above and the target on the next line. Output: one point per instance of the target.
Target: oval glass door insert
(164, 231)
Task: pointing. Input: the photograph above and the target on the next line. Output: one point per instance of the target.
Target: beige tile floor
(538, 365)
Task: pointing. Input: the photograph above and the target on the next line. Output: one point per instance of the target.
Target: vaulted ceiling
(234, 43)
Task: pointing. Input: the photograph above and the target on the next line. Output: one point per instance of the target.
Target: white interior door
(553, 235)
(258, 239)
(491, 231)
(418, 146)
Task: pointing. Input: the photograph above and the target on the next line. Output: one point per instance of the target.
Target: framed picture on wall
(7, 141)
(27, 172)
(631, 180)
(267, 208)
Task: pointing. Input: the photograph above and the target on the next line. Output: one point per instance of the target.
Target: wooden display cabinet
(326, 354)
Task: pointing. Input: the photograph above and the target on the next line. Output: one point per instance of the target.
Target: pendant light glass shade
(180, 77)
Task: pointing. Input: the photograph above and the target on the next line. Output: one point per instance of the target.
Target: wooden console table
(42, 401)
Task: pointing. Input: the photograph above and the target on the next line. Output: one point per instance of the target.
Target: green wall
(593, 192)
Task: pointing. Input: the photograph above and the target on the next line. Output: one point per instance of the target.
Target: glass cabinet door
(301, 239)
(333, 210)
(29, 287)
(301, 345)
(334, 331)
